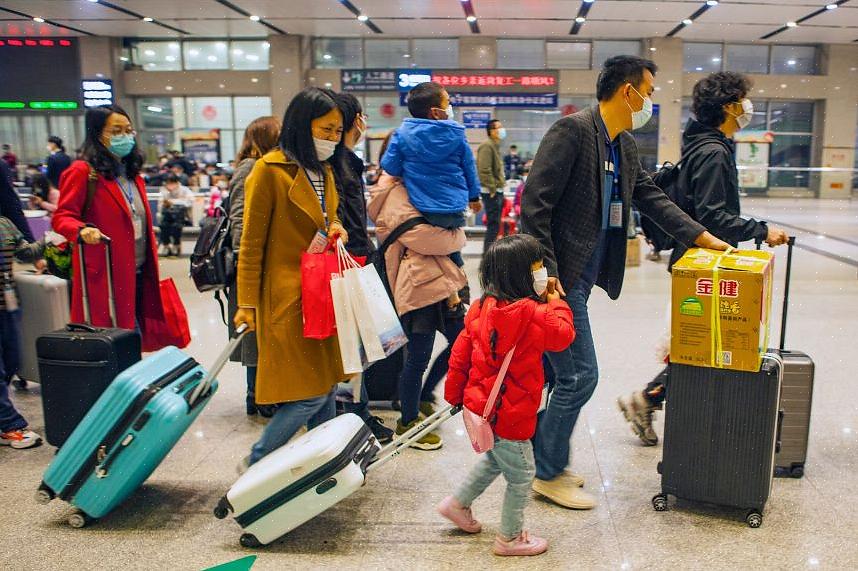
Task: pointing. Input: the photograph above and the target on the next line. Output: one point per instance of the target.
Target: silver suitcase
(44, 302)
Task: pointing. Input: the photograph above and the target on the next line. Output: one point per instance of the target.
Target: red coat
(536, 328)
(109, 212)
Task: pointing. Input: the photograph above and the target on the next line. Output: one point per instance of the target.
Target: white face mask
(642, 117)
(540, 280)
(449, 111)
(747, 115)
(324, 148)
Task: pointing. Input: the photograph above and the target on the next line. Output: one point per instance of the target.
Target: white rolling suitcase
(310, 474)
(44, 301)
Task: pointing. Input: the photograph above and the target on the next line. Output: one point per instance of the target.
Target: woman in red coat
(512, 316)
(119, 210)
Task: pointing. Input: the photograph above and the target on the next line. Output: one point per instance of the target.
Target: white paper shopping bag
(380, 330)
(348, 335)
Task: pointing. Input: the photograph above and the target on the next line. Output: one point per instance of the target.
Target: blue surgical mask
(502, 133)
(121, 145)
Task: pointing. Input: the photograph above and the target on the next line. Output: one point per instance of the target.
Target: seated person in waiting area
(431, 153)
(174, 203)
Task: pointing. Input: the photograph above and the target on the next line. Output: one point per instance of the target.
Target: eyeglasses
(121, 131)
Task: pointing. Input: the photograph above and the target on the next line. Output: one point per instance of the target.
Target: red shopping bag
(317, 303)
(174, 330)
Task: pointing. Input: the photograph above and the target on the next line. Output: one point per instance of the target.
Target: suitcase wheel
(223, 508)
(79, 520)
(796, 471)
(44, 494)
(659, 503)
(20, 384)
(754, 519)
(249, 540)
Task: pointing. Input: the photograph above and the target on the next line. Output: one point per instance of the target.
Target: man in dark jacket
(709, 190)
(577, 203)
(58, 160)
(10, 203)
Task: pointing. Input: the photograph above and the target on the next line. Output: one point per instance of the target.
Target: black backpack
(213, 261)
(667, 179)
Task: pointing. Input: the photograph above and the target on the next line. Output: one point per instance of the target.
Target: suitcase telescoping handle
(788, 278)
(429, 424)
(87, 315)
(203, 387)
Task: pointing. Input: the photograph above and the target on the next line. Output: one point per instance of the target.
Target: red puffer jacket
(535, 328)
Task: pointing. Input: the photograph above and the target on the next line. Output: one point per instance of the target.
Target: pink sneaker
(524, 544)
(451, 509)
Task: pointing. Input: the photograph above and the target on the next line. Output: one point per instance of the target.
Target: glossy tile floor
(391, 524)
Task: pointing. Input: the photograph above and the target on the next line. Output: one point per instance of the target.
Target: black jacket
(709, 184)
(562, 200)
(352, 210)
(57, 163)
(10, 203)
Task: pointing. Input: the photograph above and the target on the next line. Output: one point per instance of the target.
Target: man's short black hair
(715, 91)
(171, 178)
(618, 71)
(514, 147)
(491, 126)
(422, 98)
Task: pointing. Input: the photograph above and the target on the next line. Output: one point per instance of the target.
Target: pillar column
(667, 54)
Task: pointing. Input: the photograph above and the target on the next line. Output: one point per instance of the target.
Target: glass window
(568, 55)
(335, 53)
(521, 54)
(34, 137)
(249, 108)
(701, 57)
(435, 54)
(604, 50)
(64, 127)
(249, 55)
(161, 112)
(747, 58)
(798, 60)
(791, 116)
(790, 151)
(209, 112)
(386, 54)
(205, 55)
(10, 134)
(758, 121)
(157, 56)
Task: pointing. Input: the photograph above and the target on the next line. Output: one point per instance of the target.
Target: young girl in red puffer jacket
(516, 313)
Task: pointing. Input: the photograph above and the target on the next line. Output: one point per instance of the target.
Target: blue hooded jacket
(437, 164)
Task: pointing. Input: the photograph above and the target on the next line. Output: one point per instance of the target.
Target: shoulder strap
(399, 231)
(695, 147)
(490, 404)
(90, 190)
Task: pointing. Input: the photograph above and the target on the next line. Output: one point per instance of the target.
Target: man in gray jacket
(492, 179)
(577, 203)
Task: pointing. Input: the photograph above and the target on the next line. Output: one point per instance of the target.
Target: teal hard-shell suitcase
(128, 432)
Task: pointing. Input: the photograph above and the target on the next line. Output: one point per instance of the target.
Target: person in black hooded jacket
(709, 193)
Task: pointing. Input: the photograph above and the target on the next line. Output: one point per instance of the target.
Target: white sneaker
(20, 439)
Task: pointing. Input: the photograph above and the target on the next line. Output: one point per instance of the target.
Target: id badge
(137, 224)
(615, 218)
(319, 243)
(543, 404)
(9, 296)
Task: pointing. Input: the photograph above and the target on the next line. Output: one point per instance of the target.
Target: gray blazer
(562, 200)
(247, 353)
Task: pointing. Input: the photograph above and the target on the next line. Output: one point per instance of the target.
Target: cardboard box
(633, 252)
(737, 337)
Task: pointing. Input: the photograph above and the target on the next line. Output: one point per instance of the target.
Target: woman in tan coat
(290, 195)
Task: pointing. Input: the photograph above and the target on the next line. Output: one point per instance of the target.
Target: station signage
(476, 119)
(97, 92)
(542, 81)
(368, 80)
(519, 100)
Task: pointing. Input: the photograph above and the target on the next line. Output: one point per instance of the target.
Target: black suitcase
(720, 433)
(76, 364)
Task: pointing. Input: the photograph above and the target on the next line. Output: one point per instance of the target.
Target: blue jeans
(418, 354)
(513, 459)
(289, 418)
(250, 399)
(10, 362)
(575, 373)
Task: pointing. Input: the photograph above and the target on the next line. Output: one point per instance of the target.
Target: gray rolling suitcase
(44, 301)
(796, 397)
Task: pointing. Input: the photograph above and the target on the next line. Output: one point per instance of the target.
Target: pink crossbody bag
(479, 428)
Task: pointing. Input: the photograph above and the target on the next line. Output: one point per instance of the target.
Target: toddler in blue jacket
(431, 154)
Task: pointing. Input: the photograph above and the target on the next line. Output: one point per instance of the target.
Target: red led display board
(41, 74)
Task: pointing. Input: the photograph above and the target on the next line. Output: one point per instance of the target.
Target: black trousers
(656, 390)
(171, 234)
(493, 205)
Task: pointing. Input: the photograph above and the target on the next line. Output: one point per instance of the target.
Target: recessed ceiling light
(169, 88)
(254, 80)
(123, 58)
(238, 52)
(363, 18)
(39, 20)
(148, 19)
(711, 2)
(93, 1)
(471, 19)
(580, 19)
(790, 62)
(761, 91)
(716, 60)
(687, 22)
(653, 49)
(327, 57)
(831, 7)
(791, 24)
(154, 109)
(783, 85)
(222, 85)
(255, 18)
(212, 58)
(150, 53)
(406, 55)
(194, 52)
(698, 68)
(329, 84)
(170, 58)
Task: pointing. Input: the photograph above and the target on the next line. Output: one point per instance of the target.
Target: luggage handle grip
(71, 327)
(205, 384)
